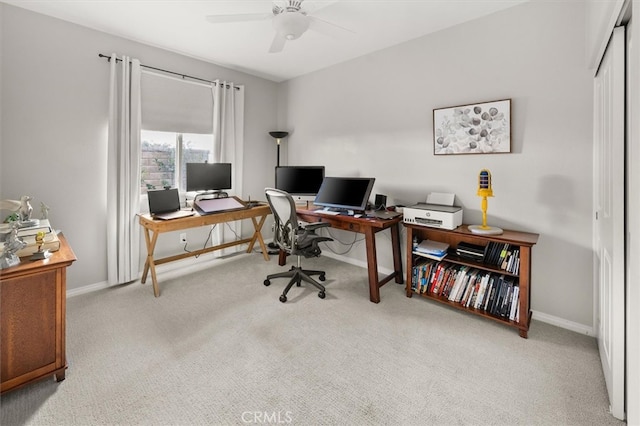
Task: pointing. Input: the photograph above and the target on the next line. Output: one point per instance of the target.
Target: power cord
(204, 246)
(348, 244)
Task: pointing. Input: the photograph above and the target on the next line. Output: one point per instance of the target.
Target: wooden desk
(368, 227)
(153, 228)
(33, 319)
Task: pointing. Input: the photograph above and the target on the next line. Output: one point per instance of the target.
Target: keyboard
(329, 212)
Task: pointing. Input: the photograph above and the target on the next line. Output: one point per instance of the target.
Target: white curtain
(123, 171)
(228, 140)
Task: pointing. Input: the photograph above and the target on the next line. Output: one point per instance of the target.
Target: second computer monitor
(208, 176)
(302, 182)
(345, 193)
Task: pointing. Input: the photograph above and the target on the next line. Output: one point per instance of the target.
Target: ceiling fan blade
(278, 43)
(328, 28)
(244, 17)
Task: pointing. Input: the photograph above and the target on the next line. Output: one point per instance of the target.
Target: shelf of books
(487, 275)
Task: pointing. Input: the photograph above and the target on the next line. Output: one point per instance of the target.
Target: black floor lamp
(278, 136)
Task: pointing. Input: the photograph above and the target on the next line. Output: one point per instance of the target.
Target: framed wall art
(482, 128)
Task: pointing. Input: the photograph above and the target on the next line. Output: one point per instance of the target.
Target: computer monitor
(208, 176)
(345, 193)
(302, 182)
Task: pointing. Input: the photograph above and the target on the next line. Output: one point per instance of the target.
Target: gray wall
(54, 133)
(372, 116)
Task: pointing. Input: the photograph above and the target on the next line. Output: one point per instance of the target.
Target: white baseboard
(87, 289)
(563, 323)
(167, 271)
(356, 262)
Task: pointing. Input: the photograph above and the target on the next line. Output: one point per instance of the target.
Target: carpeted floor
(217, 347)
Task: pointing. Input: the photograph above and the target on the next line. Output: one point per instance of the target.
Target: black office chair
(294, 239)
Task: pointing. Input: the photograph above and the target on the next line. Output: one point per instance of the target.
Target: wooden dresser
(33, 318)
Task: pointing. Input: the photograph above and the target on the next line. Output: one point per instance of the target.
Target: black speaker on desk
(381, 202)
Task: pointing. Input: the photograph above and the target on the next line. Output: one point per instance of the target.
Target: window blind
(174, 105)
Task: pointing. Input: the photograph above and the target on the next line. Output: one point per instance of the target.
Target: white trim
(87, 289)
(167, 271)
(356, 262)
(633, 223)
(563, 323)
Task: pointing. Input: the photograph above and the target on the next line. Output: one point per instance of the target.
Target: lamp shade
(279, 134)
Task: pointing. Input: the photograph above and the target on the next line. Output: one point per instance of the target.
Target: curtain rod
(167, 71)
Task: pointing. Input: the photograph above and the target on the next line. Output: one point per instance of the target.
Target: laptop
(165, 204)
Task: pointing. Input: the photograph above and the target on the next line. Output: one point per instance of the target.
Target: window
(161, 151)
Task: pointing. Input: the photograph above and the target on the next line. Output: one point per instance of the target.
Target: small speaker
(381, 201)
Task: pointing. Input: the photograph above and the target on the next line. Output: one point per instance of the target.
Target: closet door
(609, 165)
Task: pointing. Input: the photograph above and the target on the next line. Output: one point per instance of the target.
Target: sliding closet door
(609, 122)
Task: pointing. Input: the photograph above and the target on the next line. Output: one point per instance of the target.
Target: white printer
(437, 212)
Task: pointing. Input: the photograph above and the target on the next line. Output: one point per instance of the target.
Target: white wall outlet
(183, 238)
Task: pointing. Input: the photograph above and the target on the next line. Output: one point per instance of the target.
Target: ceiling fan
(290, 21)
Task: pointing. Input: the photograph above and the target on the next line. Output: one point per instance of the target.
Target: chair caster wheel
(322, 277)
(283, 298)
(321, 295)
(267, 283)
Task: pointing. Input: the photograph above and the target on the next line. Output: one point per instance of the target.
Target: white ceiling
(181, 26)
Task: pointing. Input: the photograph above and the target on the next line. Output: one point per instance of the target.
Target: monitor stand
(210, 195)
(340, 211)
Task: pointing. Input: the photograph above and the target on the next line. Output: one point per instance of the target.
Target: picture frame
(480, 128)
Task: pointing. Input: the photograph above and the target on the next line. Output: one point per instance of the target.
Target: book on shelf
(482, 288)
(503, 256)
(450, 277)
(420, 273)
(470, 251)
(488, 298)
(506, 303)
(432, 247)
(501, 298)
(494, 294)
(431, 256)
(490, 254)
(464, 283)
(470, 288)
(440, 276)
(515, 303)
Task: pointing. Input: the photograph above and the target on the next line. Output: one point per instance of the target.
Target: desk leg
(372, 265)
(145, 271)
(397, 257)
(257, 235)
(282, 257)
(149, 264)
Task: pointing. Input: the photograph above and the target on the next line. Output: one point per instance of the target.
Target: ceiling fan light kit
(291, 25)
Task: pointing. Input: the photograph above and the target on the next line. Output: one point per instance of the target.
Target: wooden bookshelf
(524, 241)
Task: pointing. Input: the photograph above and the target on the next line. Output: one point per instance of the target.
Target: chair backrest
(284, 210)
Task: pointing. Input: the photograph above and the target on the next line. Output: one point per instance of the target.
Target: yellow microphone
(484, 191)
